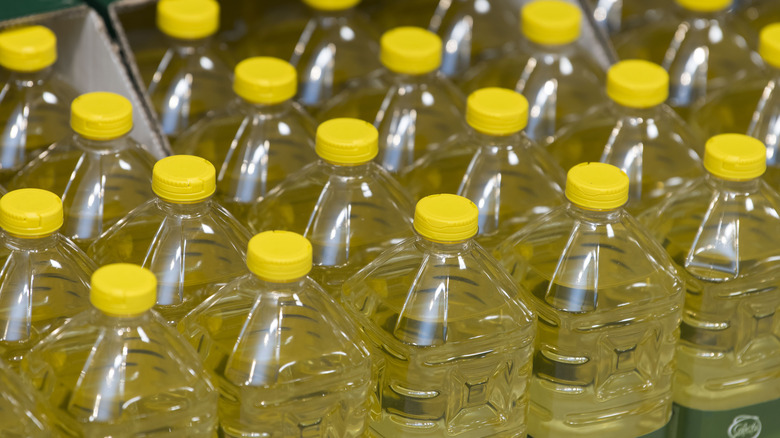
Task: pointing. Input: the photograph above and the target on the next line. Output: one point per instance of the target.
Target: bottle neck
(733, 187)
(291, 287)
(556, 50)
(101, 146)
(346, 171)
(265, 110)
(30, 79)
(596, 216)
(178, 209)
(185, 48)
(404, 80)
(493, 141)
(130, 322)
(634, 113)
(443, 248)
(30, 243)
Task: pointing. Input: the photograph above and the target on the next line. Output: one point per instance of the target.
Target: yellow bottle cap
(184, 179)
(27, 49)
(769, 44)
(705, 5)
(410, 50)
(101, 115)
(188, 19)
(279, 256)
(265, 80)
(551, 22)
(446, 218)
(30, 213)
(123, 289)
(331, 5)
(347, 142)
(735, 157)
(497, 111)
(637, 84)
(597, 186)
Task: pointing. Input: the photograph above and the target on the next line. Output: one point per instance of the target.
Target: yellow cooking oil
(722, 233)
(117, 369)
(443, 321)
(609, 304)
(286, 361)
(22, 413)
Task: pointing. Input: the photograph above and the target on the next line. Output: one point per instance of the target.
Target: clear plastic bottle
(345, 204)
(473, 31)
(722, 232)
(99, 172)
(391, 14)
(338, 44)
(193, 77)
(636, 132)
(509, 177)
(415, 107)
(22, 414)
(44, 279)
(559, 78)
(288, 363)
(609, 304)
(119, 370)
(751, 107)
(259, 142)
(34, 101)
(189, 241)
(702, 47)
(444, 319)
(616, 16)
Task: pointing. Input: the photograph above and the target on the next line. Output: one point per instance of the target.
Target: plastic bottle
(259, 142)
(288, 363)
(34, 101)
(192, 78)
(702, 47)
(509, 177)
(21, 413)
(560, 80)
(338, 45)
(443, 317)
(345, 204)
(119, 370)
(99, 172)
(414, 106)
(615, 16)
(44, 279)
(609, 304)
(473, 31)
(189, 241)
(757, 13)
(722, 232)
(751, 107)
(389, 15)
(636, 132)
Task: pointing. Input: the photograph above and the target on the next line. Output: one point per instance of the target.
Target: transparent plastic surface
(751, 107)
(122, 376)
(724, 237)
(334, 48)
(193, 249)
(389, 15)
(273, 31)
(192, 79)
(99, 182)
(43, 282)
(473, 31)
(758, 13)
(703, 52)
(253, 148)
(414, 114)
(21, 412)
(34, 113)
(561, 84)
(511, 179)
(615, 16)
(609, 304)
(350, 214)
(286, 361)
(455, 341)
(653, 146)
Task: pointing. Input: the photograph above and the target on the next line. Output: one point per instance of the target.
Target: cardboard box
(90, 61)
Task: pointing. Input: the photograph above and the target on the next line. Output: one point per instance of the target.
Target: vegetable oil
(511, 178)
(722, 233)
(444, 319)
(345, 204)
(189, 241)
(287, 362)
(609, 303)
(99, 172)
(259, 142)
(44, 279)
(22, 413)
(119, 370)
